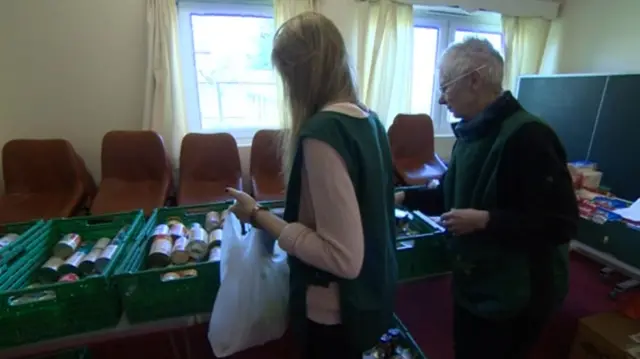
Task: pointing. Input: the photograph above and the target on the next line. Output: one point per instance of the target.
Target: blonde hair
(311, 59)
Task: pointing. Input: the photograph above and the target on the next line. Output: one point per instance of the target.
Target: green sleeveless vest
(367, 301)
(490, 280)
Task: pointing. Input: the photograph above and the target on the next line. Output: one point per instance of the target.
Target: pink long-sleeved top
(328, 234)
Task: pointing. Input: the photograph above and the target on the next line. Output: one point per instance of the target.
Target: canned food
(88, 264)
(198, 243)
(48, 273)
(223, 216)
(102, 243)
(215, 254)
(173, 220)
(212, 221)
(160, 252)
(215, 238)
(170, 276)
(70, 277)
(189, 273)
(67, 245)
(105, 257)
(72, 264)
(179, 253)
(7, 239)
(161, 230)
(178, 230)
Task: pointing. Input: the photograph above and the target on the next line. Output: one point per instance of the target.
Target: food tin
(198, 243)
(161, 230)
(215, 238)
(212, 221)
(67, 245)
(170, 276)
(8, 239)
(102, 243)
(48, 273)
(160, 252)
(107, 254)
(179, 253)
(189, 273)
(69, 277)
(214, 254)
(72, 264)
(88, 264)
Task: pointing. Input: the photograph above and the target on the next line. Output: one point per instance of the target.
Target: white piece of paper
(631, 213)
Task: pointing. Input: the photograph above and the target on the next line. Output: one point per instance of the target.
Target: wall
(75, 68)
(71, 69)
(598, 36)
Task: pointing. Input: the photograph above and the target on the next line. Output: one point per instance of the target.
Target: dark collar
(489, 119)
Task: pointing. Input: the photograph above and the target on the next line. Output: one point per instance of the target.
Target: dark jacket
(511, 164)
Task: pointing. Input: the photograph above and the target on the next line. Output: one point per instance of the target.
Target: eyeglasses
(443, 88)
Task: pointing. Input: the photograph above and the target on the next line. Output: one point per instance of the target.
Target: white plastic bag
(251, 306)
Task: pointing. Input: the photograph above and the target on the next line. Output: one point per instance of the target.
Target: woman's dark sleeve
(429, 201)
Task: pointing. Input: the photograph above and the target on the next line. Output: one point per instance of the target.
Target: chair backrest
(40, 165)
(265, 154)
(135, 156)
(411, 138)
(210, 157)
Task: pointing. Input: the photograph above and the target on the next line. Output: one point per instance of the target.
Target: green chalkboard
(569, 104)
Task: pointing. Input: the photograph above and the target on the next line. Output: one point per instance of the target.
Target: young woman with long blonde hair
(338, 226)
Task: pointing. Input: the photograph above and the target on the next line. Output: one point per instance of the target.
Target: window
(229, 81)
(432, 35)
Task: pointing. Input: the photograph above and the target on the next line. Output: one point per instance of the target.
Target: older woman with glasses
(508, 204)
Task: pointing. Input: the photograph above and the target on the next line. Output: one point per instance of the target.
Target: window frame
(447, 26)
(186, 49)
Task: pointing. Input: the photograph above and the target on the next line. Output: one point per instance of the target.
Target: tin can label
(178, 230)
(71, 277)
(102, 243)
(215, 254)
(212, 221)
(161, 245)
(8, 239)
(67, 245)
(161, 230)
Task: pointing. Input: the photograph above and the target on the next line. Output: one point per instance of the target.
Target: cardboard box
(607, 336)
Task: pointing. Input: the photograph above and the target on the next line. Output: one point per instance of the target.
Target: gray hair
(474, 54)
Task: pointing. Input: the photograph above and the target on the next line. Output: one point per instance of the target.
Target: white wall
(71, 69)
(599, 36)
(75, 68)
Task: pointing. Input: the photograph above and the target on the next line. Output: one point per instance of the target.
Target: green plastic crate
(408, 339)
(145, 296)
(88, 304)
(422, 254)
(419, 255)
(27, 231)
(82, 353)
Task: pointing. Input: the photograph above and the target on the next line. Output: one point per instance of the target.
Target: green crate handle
(106, 219)
(198, 209)
(272, 204)
(50, 288)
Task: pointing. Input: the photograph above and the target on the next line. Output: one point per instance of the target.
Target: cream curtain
(385, 57)
(525, 42)
(283, 10)
(164, 110)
